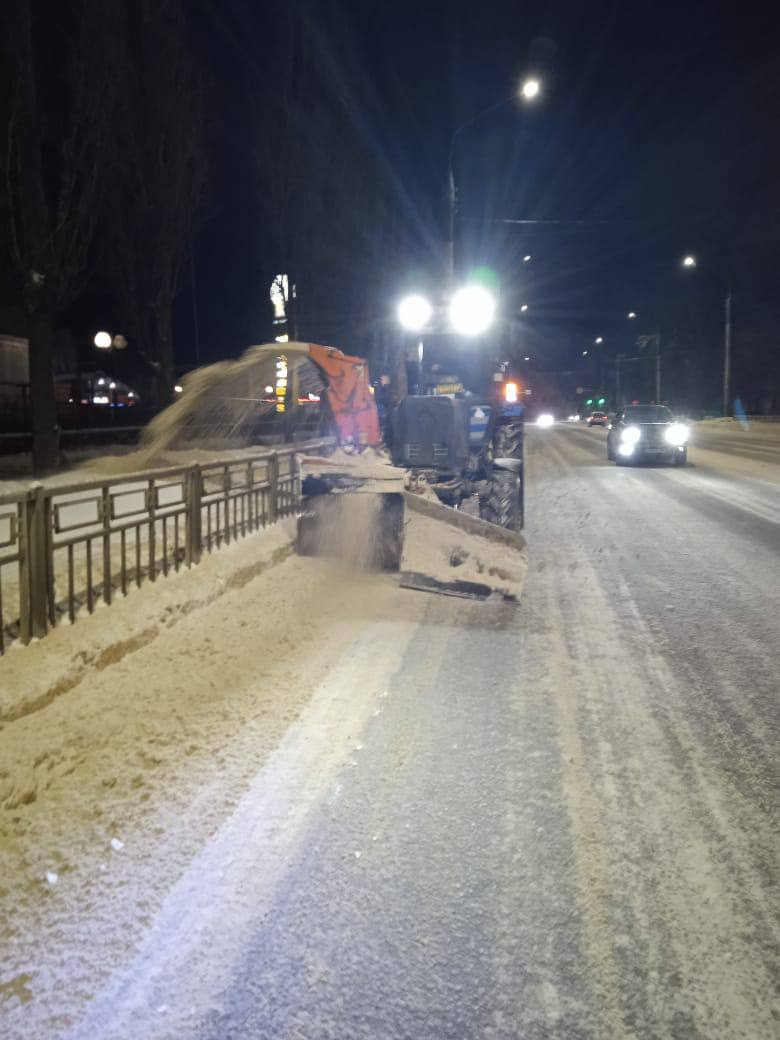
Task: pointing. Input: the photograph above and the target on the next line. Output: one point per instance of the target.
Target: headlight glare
(631, 435)
(677, 434)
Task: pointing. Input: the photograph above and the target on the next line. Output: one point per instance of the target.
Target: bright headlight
(631, 435)
(677, 434)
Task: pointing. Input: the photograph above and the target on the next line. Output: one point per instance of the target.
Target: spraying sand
(219, 404)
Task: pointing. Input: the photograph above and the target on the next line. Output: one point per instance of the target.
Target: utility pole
(452, 208)
(658, 367)
(727, 354)
(617, 380)
(528, 91)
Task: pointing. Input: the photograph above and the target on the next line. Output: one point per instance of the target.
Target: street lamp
(414, 312)
(524, 307)
(103, 340)
(598, 340)
(529, 90)
(631, 315)
(689, 262)
(472, 310)
(527, 259)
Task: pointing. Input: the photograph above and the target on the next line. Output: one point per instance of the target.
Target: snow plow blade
(454, 554)
(436, 548)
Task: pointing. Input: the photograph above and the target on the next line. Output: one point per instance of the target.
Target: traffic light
(602, 400)
(589, 401)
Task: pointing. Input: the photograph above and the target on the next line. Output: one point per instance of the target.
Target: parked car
(647, 432)
(598, 419)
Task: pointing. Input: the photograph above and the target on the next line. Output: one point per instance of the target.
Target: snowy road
(406, 816)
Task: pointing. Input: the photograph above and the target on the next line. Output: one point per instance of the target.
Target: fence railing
(67, 548)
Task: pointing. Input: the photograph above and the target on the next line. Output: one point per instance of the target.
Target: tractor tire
(502, 505)
(509, 441)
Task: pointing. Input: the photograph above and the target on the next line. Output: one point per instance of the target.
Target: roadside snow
(136, 733)
(32, 677)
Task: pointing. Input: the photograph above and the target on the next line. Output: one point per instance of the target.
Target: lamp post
(689, 262)
(529, 91)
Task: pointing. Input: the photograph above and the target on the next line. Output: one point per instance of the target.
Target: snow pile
(33, 676)
(366, 466)
(449, 554)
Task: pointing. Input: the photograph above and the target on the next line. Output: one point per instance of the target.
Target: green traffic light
(602, 400)
(589, 401)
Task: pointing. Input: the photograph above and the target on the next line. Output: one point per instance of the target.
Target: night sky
(656, 135)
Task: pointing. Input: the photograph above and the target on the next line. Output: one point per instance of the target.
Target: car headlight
(631, 435)
(677, 434)
(545, 420)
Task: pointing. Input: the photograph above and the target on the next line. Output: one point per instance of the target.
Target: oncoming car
(597, 419)
(647, 431)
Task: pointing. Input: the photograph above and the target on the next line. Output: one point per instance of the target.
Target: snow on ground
(79, 512)
(178, 752)
(136, 731)
(748, 451)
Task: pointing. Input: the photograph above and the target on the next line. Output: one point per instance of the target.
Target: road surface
(557, 822)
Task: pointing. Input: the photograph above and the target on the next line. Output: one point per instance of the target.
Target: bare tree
(158, 175)
(55, 110)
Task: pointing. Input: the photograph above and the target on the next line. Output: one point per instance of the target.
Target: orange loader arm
(349, 395)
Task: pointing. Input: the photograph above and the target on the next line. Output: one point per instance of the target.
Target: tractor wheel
(509, 441)
(502, 505)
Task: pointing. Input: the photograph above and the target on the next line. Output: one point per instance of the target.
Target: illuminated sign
(281, 382)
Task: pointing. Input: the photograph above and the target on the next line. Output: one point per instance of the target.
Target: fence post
(273, 488)
(295, 473)
(194, 492)
(34, 566)
(105, 516)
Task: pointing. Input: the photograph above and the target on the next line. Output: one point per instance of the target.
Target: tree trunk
(46, 431)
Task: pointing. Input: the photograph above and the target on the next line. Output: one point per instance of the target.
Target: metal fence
(67, 548)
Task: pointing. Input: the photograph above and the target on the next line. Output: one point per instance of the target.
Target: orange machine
(349, 395)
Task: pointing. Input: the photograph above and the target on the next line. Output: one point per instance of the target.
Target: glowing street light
(584, 353)
(631, 315)
(524, 307)
(598, 340)
(472, 310)
(528, 90)
(689, 262)
(531, 89)
(527, 259)
(414, 312)
(103, 340)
